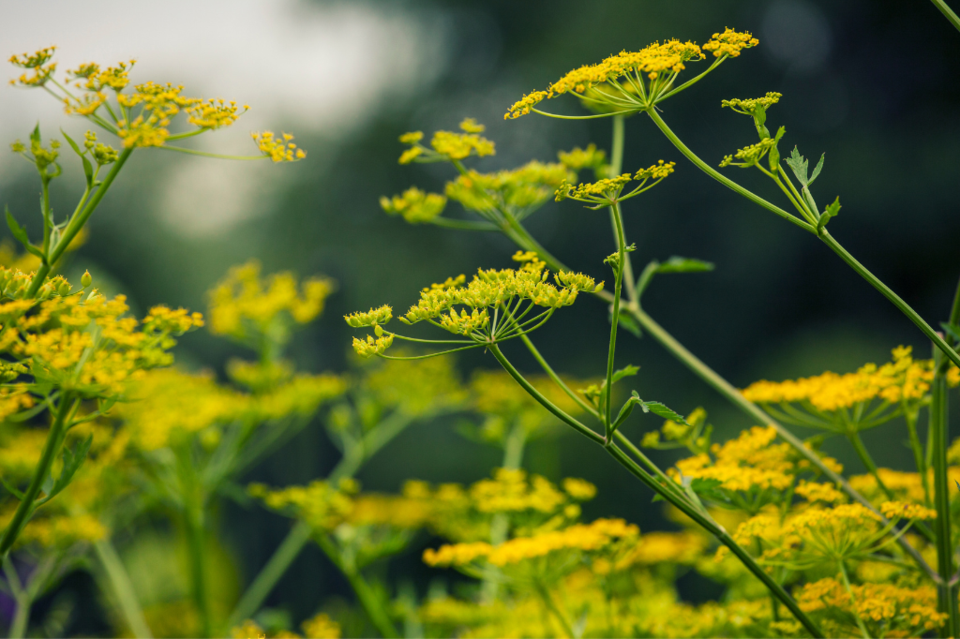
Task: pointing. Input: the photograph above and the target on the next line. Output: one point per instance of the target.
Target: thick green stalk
(552, 607)
(193, 525)
(122, 588)
(947, 13)
(368, 597)
(76, 223)
(946, 591)
(50, 448)
(723, 537)
(905, 308)
(684, 505)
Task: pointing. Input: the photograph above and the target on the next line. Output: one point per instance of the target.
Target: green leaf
(35, 134)
(798, 165)
(828, 214)
(677, 264)
(72, 460)
(816, 171)
(87, 166)
(626, 371)
(659, 409)
(953, 330)
(20, 233)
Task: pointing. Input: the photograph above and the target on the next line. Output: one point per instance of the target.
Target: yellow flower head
(248, 307)
(36, 62)
(631, 81)
(730, 43)
(415, 206)
(278, 148)
(215, 114)
(371, 347)
(578, 159)
(373, 317)
(751, 105)
(519, 191)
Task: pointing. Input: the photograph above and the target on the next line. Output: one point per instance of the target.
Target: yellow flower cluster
(36, 62)
(888, 610)
(750, 106)
(516, 190)
(373, 317)
(91, 77)
(278, 148)
(752, 154)
(578, 159)
(609, 189)
(659, 548)
(159, 104)
(903, 379)
(369, 347)
(322, 506)
(414, 205)
(447, 145)
(215, 114)
(246, 306)
(84, 342)
(730, 43)
(62, 531)
(749, 461)
(585, 537)
(656, 61)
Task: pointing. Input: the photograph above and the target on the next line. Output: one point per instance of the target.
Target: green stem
(905, 308)
(683, 504)
(371, 442)
(919, 457)
(76, 223)
(193, 524)
(21, 618)
(537, 395)
(50, 448)
(369, 600)
(853, 601)
(947, 13)
(123, 588)
(614, 320)
(722, 536)
(270, 574)
(722, 179)
(205, 154)
(946, 591)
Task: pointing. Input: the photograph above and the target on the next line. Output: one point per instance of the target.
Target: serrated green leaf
(626, 371)
(817, 169)
(831, 212)
(663, 411)
(677, 264)
(20, 233)
(953, 330)
(798, 164)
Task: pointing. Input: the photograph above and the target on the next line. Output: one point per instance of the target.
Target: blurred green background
(871, 84)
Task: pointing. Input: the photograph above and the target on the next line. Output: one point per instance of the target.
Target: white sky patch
(300, 66)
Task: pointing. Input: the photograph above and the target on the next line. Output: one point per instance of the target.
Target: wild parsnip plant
(803, 550)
